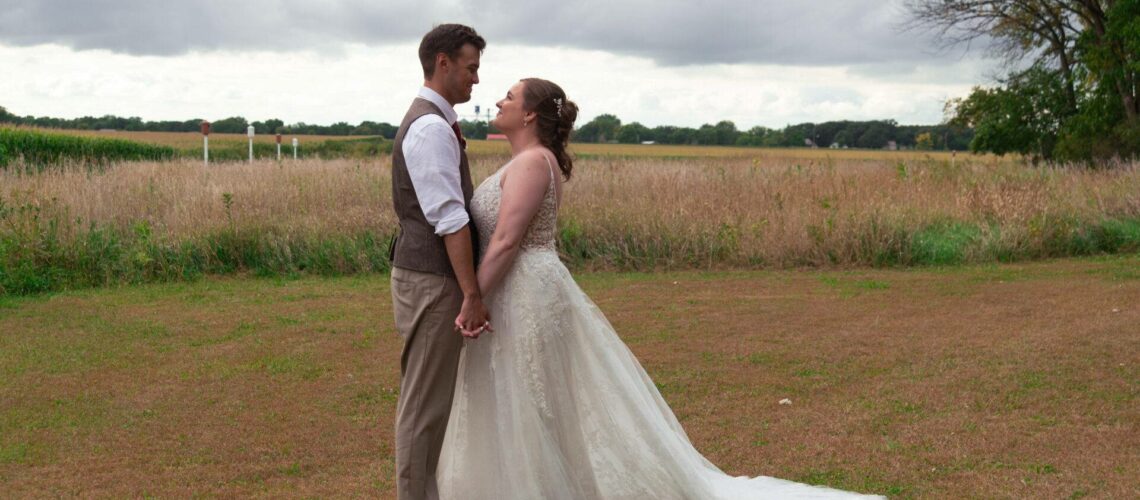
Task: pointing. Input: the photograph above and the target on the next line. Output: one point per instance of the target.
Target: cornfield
(33, 150)
(37, 150)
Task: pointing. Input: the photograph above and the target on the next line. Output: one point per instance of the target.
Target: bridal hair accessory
(558, 102)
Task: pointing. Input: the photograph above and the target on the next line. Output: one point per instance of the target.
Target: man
(434, 290)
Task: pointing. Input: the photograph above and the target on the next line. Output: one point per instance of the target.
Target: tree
(338, 128)
(473, 129)
(601, 129)
(231, 125)
(633, 133)
(923, 142)
(273, 126)
(876, 135)
(1016, 118)
(725, 133)
(388, 131)
(1083, 53)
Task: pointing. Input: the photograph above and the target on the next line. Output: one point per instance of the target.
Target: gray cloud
(671, 32)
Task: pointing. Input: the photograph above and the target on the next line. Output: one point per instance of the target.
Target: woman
(550, 404)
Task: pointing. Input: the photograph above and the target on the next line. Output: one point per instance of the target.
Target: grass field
(1011, 381)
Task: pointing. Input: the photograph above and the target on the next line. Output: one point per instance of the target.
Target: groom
(434, 290)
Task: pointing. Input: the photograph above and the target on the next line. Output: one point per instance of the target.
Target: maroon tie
(459, 135)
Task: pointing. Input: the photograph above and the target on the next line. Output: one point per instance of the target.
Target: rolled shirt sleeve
(431, 152)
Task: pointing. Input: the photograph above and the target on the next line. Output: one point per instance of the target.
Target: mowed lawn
(1011, 381)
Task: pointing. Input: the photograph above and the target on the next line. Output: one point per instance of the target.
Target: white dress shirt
(431, 152)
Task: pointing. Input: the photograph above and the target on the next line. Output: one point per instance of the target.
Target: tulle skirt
(552, 405)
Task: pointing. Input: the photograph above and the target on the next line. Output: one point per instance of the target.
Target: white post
(249, 132)
(205, 127)
(294, 148)
(278, 147)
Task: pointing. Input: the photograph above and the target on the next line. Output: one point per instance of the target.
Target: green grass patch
(944, 244)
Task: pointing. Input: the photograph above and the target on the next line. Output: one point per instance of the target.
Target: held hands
(473, 319)
(474, 334)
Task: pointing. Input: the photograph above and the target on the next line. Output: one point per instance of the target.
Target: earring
(525, 123)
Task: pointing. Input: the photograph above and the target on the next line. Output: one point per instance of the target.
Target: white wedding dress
(552, 405)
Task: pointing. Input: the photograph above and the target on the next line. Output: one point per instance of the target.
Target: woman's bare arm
(524, 187)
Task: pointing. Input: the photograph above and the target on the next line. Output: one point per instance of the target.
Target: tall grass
(151, 221)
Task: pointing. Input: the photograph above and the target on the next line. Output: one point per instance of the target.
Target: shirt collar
(449, 113)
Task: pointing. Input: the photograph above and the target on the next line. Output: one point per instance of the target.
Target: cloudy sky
(659, 62)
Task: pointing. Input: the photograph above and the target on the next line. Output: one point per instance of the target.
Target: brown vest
(417, 247)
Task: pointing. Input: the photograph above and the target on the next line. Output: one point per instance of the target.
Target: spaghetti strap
(549, 167)
(553, 186)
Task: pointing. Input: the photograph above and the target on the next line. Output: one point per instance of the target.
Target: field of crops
(33, 148)
(183, 140)
(499, 148)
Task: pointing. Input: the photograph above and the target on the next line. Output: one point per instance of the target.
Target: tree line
(874, 134)
(604, 128)
(231, 125)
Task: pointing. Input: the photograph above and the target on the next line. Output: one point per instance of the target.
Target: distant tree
(753, 137)
(876, 135)
(923, 142)
(603, 128)
(6, 117)
(338, 128)
(661, 133)
(632, 133)
(273, 126)
(231, 125)
(674, 135)
(794, 135)
(774, 139)
(473, 129)
(725, 133)
(387, 130)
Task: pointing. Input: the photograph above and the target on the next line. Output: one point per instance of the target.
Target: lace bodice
(485, 211)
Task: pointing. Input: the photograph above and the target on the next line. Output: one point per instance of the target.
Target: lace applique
(485, 210)
(531, 277)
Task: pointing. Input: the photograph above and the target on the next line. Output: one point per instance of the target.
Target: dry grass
(981, 382)
(672, 213)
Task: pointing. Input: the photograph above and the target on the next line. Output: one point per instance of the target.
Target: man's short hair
(448, 39)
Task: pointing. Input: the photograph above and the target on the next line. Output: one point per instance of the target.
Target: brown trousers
(425, 307)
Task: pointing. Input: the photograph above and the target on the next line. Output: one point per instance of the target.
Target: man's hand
(473, 319)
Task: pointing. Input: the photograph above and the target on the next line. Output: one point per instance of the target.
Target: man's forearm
(462, 260)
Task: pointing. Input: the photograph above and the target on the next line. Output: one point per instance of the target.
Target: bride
(550, 404)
